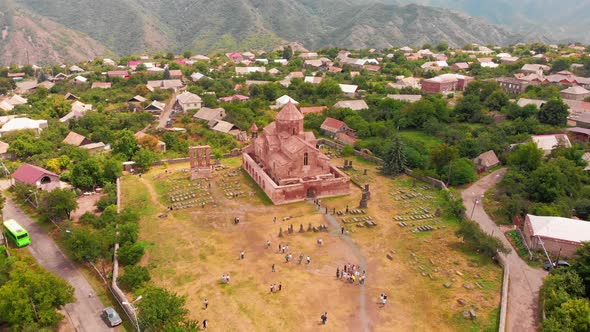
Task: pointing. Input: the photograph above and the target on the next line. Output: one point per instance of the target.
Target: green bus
(17, 233)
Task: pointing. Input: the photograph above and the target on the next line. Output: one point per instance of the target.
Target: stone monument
(200, 159)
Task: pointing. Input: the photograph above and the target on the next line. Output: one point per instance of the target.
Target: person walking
(274, 220)
(267, 244)
(242, 254)
(280, 286)
(337, 272)
(272, 288)
(273, 268)
(342, 230)
(308, 259)
(206, 303)
(205, 324)
(324, 318)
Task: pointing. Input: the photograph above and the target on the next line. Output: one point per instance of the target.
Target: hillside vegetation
(133, 26)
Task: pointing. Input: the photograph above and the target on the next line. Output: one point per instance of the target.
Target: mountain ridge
(132, 26)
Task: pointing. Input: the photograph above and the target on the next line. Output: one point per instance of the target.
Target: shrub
(130, 254)
(475, 238)
(88, 218)
(134, 277)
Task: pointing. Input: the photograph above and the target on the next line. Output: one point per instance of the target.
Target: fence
(117, 292)
(432, 181)
(361, 154)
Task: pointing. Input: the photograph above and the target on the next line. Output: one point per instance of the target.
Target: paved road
(84, 313)
(165, 115)
(525, 281)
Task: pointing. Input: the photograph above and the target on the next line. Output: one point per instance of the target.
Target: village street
(525, 281)
(84, 312)
(165, 115)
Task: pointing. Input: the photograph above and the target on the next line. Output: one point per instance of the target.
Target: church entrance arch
(311, 192)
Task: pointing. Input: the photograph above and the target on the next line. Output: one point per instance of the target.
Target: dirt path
(525, 281)
(362, 314)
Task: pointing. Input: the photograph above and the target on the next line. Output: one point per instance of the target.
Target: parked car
(547, 266)
(111, 316)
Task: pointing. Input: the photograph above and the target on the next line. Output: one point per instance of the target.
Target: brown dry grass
(191, 249)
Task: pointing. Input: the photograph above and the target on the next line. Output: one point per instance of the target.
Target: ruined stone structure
(200, 159)
(285, 162)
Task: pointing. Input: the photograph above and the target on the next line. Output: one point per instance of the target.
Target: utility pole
(27, 51)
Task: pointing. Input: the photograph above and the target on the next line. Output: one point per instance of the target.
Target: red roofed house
(312, 109)
(285, 162)
(578, 134)
(332, 126)
(175, 74)
(446, 83)
(118, 73)
(234, 98)
(36, 176)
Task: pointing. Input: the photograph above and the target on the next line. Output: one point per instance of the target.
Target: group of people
(351, 273)
(276, 287)
(225, 278)
(383, 299)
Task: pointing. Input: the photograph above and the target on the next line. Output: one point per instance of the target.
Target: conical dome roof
(289, 113)
(254, 127)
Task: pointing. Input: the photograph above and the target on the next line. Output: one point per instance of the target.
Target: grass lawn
(190, 249)
(429, 141)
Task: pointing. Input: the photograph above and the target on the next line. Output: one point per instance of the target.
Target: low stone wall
(432, 181)
(504, 296)
(335, 145)
(171, 161)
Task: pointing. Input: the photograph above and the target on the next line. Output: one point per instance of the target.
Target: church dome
(289, 113)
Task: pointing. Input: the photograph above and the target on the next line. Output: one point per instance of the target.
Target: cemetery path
(362, 314)
(524, 281)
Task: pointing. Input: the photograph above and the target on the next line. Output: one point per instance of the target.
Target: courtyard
(403, 240)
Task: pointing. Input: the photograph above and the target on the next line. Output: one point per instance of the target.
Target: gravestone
(365, 171)
(281, 232)
(301, 230)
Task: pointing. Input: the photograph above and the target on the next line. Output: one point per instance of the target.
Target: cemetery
(401, 237)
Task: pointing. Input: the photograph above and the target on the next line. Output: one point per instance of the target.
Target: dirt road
(525, 281)
(84, 313)
(165, 115)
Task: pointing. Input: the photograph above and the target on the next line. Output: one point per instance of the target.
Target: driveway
(525, 281)
(84, 313)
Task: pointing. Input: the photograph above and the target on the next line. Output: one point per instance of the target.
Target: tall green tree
(554, 112)
(160, 309)
(126, 144)
(395, 163)
(30, 295)
(526, 157)
(58, 204)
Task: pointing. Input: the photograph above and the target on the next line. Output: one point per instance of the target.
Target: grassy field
(190, 249)
(429, 141)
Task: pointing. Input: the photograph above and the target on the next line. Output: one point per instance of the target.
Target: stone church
(286, 163)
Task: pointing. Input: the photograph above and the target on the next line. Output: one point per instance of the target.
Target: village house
(284, 100)
(195, 77)
(79, 109)
(530, 68)
(575, 93)
(36, 176)
(156, 107)
(71, 96)
(549, 142)
(4, 153)
(434, 65)
(165, 84)
(406, 98)
(76, 139)
(460, 66)
(226, 128)
(405, 82)
(486, 160)
(285, 162)
(101, 85)
(355, 105)
(249, 70)
(578, 134)
(175, 74)
(312, 109)
(136, 101)
(446, 83)
(330, 127)
(313, 79)
(187, 101)
(560, 236)
(522, 102)
(17, 124)
(236, 97)
(512, 85)
(583, 120)
(349, 90)
(210, 115)
(118, 73)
